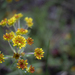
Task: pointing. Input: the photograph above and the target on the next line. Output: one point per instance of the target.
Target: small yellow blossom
(11, 21)
(17, 16)
(29, 21)
(38, 53)
(22, 64)
(16, 55)
(8, 36)
(9, 1)
(1, 57)
(30, 41)
(3, 22)
(19, 41)
(22, 53)
(21, 31)
(30, 69)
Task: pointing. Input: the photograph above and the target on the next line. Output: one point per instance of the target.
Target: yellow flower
(8, 36)
(30, 69)
(17, 16)
(22, 54)
(3, 22)
(29, 21)
(1, 57)
(9, 1)
(16, 55)
(30, 41)
(19, 41)
(21, 31)
(22, 64)
(38, 53)
(11, 21)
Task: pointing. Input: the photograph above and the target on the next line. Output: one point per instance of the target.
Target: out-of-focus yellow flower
(19, 41)
(21, 31)
(17, 16)
(29, 21)
(30, 41)
(8, 36)
(1, 58)
(16, 55)
(3, 22)
(38, 53)
(73, 68)
(17, 0)
(22, 64)
(11, 21)
(68, 36)
(9, 1)
(30, 69)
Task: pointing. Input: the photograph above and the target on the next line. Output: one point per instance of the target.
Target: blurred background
(53, 30)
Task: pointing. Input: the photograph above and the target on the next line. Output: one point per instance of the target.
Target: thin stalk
(11, 47)
(19, 23)
(14, 28)
(47, 73)
(29, 53)
(8, 57)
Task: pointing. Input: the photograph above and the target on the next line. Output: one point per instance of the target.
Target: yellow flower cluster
(38, 53)
(29, 21)
(19, 41)
(3, 22)
(29, 41)
(21, 31)
(30, 69)
(17, 16)
(1, 57)
(8, 36)
(11, 21)
(22, 64)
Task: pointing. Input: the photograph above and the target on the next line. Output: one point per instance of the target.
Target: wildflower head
(22, 54)
(19, 41)
(38, 53)
(17, 16)
(30, 41)
(1, 57)
(3, 22)
(11, 21)
(8, 36)
(22, 64)
(30, 69)
(21, 31)
(29, 21)
(16, 55)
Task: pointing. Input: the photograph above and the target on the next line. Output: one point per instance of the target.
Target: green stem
(11, 47)
(19, 23)
(8, 57)
(47, 73)
(14, 28)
